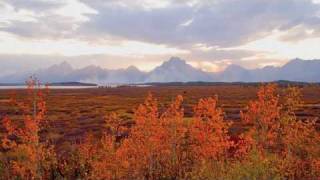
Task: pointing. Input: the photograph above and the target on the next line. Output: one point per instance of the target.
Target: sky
(208, 34)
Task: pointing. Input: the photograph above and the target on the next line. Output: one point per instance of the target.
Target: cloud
(219, 23)
(200, 30)
(38, 19)
(219, 54)
(13, 63)
(173, 22)
(156, 26)
(47, 27)
(35, 5)
(17, 63)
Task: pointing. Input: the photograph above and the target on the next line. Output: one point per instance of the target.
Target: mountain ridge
(173, 70)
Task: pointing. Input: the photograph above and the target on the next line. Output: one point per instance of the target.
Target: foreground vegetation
(163, 144)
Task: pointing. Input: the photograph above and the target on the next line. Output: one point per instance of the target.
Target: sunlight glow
(76, 10)
(276, 49)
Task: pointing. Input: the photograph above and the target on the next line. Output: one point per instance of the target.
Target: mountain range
(173, 70)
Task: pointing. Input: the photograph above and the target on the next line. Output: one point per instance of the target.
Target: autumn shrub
(277, 135)
(23, 155)
(210, 141)
(153, 148)
(163, 144)
(253, 166)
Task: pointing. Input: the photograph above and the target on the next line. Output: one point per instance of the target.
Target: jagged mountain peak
(296, 60)
(92, 68)
(300, 64)
(132, 68)
(65, 63)
(234, 67)
(174, 70)
(293, 62)
(269, 67)
(174, 61)
(63, 66)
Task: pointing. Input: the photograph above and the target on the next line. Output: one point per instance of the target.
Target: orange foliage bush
(23, 155)
(153, 148)
(209, 131)
(166, 145)
(276, 132)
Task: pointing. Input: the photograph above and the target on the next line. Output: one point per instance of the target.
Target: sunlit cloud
(207, 33)
(8, 14)
(275, 48)
(206, 66)
(76, 10)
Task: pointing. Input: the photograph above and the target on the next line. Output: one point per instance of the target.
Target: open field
(73, 112)
(246, 131)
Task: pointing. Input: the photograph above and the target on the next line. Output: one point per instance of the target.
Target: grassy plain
(73, 112)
